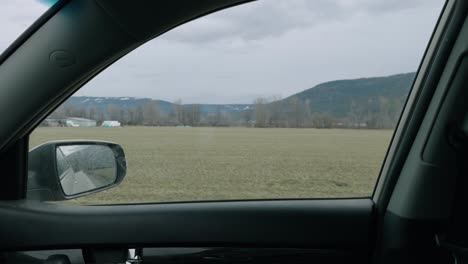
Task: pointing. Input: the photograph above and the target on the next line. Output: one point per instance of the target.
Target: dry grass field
(180, 164)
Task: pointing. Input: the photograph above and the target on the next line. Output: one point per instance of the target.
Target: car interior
(417, 213)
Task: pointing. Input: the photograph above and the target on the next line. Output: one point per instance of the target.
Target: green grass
(180, 164)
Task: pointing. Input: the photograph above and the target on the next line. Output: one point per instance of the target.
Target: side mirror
(62, 170)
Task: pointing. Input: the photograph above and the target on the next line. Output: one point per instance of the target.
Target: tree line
(379, 113)
(293, 112)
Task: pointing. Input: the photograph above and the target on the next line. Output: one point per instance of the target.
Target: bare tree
(131, 113)
(139, 117)
(357, 114)
(261, 112)
(92, 113)
(81, 112)
(320, 120)
(295, 112)
(218, 116)
(384, 113)
(69, 110)
(179, 112)
(100, 117)
(113, 111)
(193, 115)
(275, 109)
(307, 113)
(247, 116)
(151, 114)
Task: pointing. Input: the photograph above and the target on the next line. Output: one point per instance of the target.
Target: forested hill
(337, 98)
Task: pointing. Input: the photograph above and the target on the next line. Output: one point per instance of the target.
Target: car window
(267, 100)
(17, 15)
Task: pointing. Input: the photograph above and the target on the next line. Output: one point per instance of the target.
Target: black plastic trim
(417, 110)
(321, 224)
(14, 164)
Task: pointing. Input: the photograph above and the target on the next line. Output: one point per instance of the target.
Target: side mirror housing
(62, 170)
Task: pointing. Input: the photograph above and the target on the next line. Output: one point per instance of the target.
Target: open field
(179, 164)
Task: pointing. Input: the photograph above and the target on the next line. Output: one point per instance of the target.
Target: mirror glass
(84, 168)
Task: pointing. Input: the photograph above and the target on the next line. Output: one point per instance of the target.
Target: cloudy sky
(265, 48)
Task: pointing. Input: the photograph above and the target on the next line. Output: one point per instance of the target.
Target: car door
(397, 224)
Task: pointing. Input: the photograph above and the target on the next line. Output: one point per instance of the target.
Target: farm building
(79, 122)
(109, 123)
(50, 122)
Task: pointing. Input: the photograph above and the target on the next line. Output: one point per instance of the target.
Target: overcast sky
(265, 48)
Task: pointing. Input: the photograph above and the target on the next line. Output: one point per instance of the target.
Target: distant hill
(101, 103)
(336, 97)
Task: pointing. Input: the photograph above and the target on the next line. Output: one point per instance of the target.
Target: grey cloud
(250, 21)
(372, 6)
(272, 18)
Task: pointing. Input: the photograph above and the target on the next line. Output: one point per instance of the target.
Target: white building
(110, 123)
(79, 122)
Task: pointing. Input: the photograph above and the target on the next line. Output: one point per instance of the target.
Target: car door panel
(326, 228)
